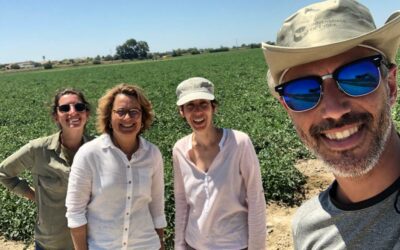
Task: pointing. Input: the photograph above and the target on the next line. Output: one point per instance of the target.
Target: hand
(160, 232)
(30, 195)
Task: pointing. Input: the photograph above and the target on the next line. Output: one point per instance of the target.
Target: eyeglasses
(357, 78)
(133, 113)
(79, 107)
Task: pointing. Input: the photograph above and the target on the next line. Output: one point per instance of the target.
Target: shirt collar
(220, 144)
(55, 141)
(106, 142)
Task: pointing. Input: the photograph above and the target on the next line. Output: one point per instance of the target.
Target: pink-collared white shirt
(223, 208)
(121, 201)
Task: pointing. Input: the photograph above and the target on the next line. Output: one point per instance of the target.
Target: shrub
(48, 65)
(15, 66)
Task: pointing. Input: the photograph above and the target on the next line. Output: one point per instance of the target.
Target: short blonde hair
(106, 102)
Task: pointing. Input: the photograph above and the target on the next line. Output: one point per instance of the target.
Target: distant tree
(220, 49)
(108, 58)
(36, 64)
(193, 51)
(176, 52)
(97, 60)
(48, 65)
(15, 66)
(132, 49)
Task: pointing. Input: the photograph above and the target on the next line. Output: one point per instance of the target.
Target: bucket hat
(194, 88)
(326, 29)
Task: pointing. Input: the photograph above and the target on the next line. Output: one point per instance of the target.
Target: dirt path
(279, 217)
(14, 245)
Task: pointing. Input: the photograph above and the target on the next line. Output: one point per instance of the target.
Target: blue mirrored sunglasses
(357, 78)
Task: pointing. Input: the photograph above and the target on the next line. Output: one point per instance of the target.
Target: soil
(278, 216)
(14, 245)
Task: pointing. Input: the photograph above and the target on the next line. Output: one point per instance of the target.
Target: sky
(64, 29)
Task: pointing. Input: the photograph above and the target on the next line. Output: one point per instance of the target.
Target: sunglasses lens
(64, 108)
(359, 78)
(80, 107)
(302, 94)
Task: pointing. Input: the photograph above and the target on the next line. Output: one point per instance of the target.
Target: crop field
(244, 104)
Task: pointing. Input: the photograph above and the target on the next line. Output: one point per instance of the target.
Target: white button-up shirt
(121, 201)
(223, 208)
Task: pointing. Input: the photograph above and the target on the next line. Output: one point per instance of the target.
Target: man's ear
(392, 83)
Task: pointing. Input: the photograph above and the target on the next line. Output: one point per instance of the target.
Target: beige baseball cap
(326, 29)
(193, 89)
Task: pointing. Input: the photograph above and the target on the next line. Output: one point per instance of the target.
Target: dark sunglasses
(79, 107)
(357, 78)
(133, 113)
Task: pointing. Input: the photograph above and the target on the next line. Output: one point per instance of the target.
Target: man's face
(348, 133)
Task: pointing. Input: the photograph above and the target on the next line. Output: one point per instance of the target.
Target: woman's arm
(250, 169)
(160, 233)
(12, 166)
(79, 237)
(181, 206)
(78, 196)
(157, 195)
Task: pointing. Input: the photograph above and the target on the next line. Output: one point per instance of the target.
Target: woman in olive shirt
(49, 160)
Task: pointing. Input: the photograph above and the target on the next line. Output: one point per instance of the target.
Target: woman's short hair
(106, 102)
(68, 91)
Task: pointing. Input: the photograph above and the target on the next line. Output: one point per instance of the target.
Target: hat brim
(194, 96)
(385, 39)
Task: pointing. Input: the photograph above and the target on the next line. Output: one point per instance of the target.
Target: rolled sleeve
(160, 222)
(79, 190)
(12, 166)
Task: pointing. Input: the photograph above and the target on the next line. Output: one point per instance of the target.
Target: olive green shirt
(50, 169)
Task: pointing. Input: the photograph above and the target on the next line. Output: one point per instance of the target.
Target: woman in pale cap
(115, 197)
(219, 198)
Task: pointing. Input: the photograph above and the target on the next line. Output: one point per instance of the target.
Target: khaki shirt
(50, 170)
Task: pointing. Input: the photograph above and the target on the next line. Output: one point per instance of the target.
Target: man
(335, 74)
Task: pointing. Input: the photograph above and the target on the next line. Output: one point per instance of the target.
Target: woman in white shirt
(219, 198)
(115, 197)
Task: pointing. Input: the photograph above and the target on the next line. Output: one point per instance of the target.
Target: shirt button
(129, 182)
(126, 229)
(128, 166)
(129, 197)
(127, 213)
(124, 243)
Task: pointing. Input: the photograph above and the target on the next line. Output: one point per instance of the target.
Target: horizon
(74, 29)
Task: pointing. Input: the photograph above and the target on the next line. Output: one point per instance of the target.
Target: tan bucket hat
(326, 29)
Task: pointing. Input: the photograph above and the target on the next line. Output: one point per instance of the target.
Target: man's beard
(349, 164)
